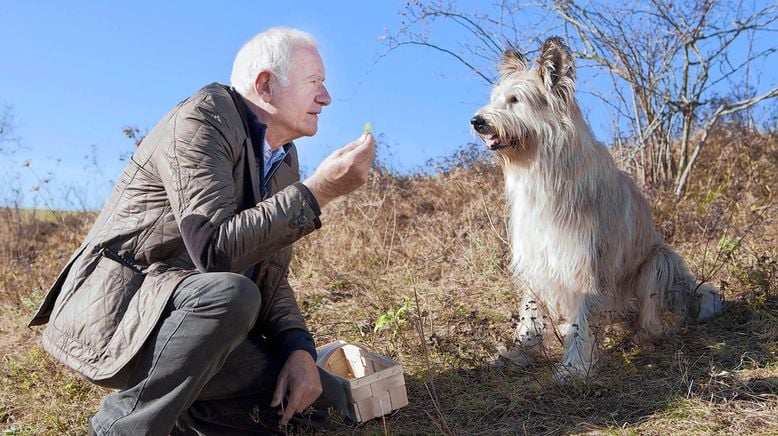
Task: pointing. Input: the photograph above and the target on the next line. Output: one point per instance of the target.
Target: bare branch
(451, 53)
(7, 128)
(723, 109)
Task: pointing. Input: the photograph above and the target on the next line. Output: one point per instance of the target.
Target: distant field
(45, 215)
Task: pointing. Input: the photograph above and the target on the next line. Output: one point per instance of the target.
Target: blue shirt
(271, 156)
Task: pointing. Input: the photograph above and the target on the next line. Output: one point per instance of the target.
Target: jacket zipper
(122, 260)
(266, 181)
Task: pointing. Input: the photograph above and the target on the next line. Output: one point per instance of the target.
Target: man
(179, 296)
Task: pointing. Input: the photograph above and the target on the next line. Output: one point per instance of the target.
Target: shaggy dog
(583, 240)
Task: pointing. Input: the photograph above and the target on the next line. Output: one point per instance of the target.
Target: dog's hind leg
(661, 302)
(669, 295)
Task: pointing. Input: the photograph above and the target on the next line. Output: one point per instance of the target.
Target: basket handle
(325, 351)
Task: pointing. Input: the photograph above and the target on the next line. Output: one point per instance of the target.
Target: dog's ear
(512, 61)
(557, 67)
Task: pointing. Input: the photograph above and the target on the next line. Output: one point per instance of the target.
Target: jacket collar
(255, 132)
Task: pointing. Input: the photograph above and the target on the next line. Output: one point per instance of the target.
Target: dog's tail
(669, 295)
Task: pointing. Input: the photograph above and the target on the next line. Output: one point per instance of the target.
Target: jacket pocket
(90, 312)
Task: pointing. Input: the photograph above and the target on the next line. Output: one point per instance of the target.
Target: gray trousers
(199, 373)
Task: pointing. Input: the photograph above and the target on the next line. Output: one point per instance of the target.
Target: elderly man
(179, 296)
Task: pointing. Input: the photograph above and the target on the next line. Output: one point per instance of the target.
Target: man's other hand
(343, 171)
(299, 383)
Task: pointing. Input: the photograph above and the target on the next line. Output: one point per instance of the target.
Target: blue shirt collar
(272, 156)
(261, 149)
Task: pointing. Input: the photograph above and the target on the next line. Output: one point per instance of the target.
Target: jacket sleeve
(284, 325)
(196, 169)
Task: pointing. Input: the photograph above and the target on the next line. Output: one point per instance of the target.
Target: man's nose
(323, 98)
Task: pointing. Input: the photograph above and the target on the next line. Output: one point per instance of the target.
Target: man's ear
(263, 86)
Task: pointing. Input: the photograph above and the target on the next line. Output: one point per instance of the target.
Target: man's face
(299, 103)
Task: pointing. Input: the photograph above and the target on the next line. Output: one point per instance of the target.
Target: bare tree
(668, 62)
(674, 56)
(133, 133)
(485, 34)
(6, 127)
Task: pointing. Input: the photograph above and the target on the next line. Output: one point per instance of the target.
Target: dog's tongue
(490, 141)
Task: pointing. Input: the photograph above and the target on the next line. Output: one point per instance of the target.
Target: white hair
(270, 50)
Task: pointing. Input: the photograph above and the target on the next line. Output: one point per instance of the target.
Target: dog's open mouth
(492, 142)
(486, 132)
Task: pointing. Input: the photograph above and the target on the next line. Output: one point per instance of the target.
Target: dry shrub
(429, 250)
(727, 219)
(38, 396)
(35, 245)
(732, 186)
(440, 235)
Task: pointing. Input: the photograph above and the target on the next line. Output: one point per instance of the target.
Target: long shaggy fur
(583, 240)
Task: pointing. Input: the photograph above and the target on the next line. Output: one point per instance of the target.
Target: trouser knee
(230, 299)
(242, 301)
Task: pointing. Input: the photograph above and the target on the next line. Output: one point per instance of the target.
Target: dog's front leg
(578, 360)
(529, 332)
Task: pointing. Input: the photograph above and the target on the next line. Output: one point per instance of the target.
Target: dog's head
(528, 105)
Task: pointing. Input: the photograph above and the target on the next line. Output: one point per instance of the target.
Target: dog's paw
(514, 356)
(710, 303)
(569, 373)
(563, 375)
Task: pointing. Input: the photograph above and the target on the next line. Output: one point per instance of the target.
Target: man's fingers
(280, 391)
(365, 140)
(342, 150)
(367, 144)
(292, 407)
(361, 141)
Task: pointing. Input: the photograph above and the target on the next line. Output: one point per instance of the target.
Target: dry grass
(435, 244)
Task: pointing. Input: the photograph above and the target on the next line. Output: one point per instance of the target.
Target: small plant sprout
(393, 320)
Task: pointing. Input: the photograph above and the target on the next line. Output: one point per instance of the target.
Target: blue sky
(76, 73)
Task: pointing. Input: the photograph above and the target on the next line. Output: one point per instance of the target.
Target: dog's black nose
(478, 122)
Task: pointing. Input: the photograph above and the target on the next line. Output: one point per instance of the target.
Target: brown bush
(428, 252)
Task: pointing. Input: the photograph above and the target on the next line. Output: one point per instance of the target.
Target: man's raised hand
(343, 171)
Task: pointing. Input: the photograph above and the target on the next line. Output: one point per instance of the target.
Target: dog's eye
(512, 99)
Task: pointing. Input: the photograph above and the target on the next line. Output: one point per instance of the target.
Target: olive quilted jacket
(189, 201)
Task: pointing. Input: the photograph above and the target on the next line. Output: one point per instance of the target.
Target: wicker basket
(374, 384)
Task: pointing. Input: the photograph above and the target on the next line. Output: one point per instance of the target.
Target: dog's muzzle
(479, 124)
(487, 134)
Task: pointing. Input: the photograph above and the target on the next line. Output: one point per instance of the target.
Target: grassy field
(415, 268)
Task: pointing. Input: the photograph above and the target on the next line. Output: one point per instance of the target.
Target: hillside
(415, 268)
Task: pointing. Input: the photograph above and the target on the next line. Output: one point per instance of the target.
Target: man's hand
(343, 171)
(299, 382)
